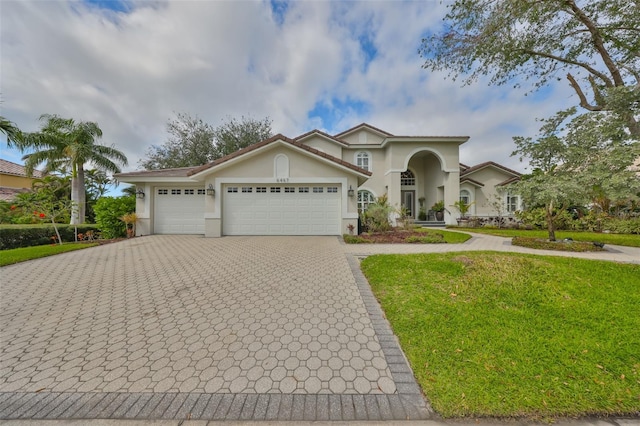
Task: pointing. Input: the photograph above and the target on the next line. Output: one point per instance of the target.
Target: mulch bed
(397, 237)
(559, 245)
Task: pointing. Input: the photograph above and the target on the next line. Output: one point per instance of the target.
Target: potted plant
(463, 207)
(422, 214)
(130, 222)
(438, 208)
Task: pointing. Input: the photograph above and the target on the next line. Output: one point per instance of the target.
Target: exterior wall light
(140, 193)
(211, 191)
(351, 192)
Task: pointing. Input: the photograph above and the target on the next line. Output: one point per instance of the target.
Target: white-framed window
(333, 189)
(201, 191)
(465, 196)
(289, 189)
(407, 178)
(232, 189)
(318, 189)
(176, 192)
(363, 160)
(513, 203)
(364, 199)
(163, 191)
(261, 189)
(275, 189)
(247, 189)
(189, 191)
(303, 189)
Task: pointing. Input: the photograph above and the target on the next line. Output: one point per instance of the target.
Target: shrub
(354, 239)
(376, 217)
(109, 211)
(37, 235)
(623, 226)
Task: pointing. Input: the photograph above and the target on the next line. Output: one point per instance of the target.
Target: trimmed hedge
(38, 235)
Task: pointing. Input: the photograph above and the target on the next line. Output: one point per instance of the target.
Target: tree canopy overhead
(595, 43)
(193, 142)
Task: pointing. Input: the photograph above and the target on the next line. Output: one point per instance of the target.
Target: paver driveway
(154, 326)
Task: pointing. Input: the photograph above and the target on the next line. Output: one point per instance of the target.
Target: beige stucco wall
(11, 181)
(362, 137)
(377, 157)
(324, 145)
(485, 195)
(260, 168)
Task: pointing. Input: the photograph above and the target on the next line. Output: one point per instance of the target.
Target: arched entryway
(423, 184)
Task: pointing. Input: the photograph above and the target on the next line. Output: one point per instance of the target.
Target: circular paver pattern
(190, 314)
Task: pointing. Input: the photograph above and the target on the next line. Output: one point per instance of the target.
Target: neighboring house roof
(488, 164)
(8, 194)
(281, 138)
(463, 167)
(14, 169)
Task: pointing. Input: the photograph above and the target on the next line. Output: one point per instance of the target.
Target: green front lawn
(630, 240)
(506, 334)
(9, 257)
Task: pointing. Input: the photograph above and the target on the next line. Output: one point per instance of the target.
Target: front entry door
(408, 202)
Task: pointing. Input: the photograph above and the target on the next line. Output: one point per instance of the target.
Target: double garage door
(312, 209)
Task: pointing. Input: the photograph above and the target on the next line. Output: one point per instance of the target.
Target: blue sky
(132, 65)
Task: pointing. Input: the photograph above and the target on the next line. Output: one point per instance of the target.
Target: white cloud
(131, 71)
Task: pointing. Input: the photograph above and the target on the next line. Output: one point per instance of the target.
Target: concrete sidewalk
(478, 422)
(481, 242)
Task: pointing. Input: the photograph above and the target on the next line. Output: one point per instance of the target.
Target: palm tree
(10, 130)
(63, 142)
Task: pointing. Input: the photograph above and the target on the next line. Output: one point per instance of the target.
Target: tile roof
(510, 180)
(333, 138)
(176, 172)
(8, 194)
(14, 169)
(363, 125)
(475, 182)
(486, 164)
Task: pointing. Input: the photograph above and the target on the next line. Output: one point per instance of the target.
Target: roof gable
(321, 134)
(491, 164)
(279, 138)
(363, 126)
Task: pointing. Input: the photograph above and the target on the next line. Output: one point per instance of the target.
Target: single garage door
(281, 210)
(179, 210)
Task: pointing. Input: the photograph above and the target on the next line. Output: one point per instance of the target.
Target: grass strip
(9, 257)
(629, 240)
(514, 335)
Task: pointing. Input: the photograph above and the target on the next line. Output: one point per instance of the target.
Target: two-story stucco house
(314, 184)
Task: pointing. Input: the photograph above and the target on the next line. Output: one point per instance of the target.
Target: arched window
(363, 160)
(513, 203)
(364, 199)
(465, 196)
(407, 178)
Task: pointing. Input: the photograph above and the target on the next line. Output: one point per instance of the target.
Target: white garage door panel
(179, 211)
(281, 213)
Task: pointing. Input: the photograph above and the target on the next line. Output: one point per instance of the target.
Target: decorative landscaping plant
(438, 208)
